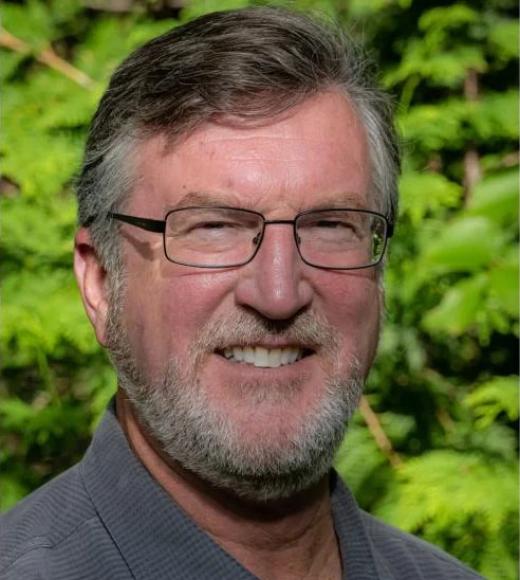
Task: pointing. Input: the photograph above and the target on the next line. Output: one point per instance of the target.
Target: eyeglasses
(225, 237)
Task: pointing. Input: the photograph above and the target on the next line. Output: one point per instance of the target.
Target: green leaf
(41, 175)
(31, 22)
(11, 491)
(459, 307)
(194, 9)
(41, 423)
(442, 482)
(456, 122)
(65, 12)
(35, 235)
(99, 55)
(465, 245)
(358, 458)
(503, 36)
(442, 68)
(425, 192)
(496, 197)
(43, 317)
(10, 63)
(434, 126)
(496, 396)
(16, 413)
(369, 8)
(504, 283)
(443, 18)
(455, 500)
(493, 116)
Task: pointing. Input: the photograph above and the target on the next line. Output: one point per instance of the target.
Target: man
(237, 196)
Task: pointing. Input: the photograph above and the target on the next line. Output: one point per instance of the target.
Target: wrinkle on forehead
(229, 199)
(226, 128)
(276, 153)
(317, 151)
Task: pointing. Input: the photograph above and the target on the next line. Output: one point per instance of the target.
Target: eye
(215, 230)
(335, 227)
(332, 230)
(214, 225)
(331, 224)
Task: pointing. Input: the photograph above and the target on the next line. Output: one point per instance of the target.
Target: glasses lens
(211, 237)
(341, 239)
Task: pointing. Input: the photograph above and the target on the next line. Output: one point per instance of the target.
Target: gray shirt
(107, 518)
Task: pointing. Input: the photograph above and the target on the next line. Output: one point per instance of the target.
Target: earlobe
(91, 278)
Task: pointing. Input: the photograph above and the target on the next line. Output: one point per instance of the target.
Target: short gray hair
(248, 64)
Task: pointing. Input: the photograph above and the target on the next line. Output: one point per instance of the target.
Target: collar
(157, 539)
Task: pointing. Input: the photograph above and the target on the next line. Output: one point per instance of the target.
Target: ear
(91, 278)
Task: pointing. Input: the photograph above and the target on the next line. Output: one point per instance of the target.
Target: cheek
(352, 306)
(165, 315)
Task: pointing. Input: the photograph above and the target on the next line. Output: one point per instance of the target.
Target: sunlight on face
(247, 376)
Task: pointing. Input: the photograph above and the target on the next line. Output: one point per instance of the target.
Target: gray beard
(176, 412)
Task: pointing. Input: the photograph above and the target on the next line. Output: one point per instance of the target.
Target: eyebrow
(202, 198)
(348, 200)
(206, 199)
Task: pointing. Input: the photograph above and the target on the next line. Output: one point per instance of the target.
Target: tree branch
(472, 169)
(377, 431)
(47, 57)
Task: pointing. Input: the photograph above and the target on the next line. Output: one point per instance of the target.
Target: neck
(290, 538)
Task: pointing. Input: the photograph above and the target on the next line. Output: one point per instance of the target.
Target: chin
(269, 443)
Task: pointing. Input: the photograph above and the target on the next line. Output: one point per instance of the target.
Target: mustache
(242, 328)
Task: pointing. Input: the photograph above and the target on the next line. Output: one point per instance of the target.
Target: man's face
(175, 323)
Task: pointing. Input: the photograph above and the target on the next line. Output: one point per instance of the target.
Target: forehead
(314, 154)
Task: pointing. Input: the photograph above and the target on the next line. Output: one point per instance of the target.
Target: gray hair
(248, 65)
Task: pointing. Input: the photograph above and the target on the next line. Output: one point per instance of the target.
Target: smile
(260, 356)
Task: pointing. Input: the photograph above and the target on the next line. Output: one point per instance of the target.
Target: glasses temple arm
(150, 225)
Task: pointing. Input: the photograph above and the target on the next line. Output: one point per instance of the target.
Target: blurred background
(433, 449)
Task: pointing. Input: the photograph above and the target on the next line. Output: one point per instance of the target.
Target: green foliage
(424, 192)
(454, 122)
(444, 388)
(496, 396)
(435, 496)
(447, 363)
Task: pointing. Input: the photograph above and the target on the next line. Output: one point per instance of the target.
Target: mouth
(261, 356)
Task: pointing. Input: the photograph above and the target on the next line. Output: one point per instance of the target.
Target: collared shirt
(106, 517)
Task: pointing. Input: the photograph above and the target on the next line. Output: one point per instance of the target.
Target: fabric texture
(106, 518)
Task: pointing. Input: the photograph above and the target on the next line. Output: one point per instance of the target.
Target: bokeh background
(433, 449)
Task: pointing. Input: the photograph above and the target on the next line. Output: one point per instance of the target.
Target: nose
(274, 283)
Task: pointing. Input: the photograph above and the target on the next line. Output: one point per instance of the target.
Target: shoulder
(406, 556)
(50, 525)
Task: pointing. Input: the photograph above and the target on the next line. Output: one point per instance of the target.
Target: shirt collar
(156, 538)
(357, 552)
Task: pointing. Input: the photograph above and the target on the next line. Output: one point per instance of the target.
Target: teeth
(293, 356)
(275, 357)
(260, 356)
(249, 355)
(286, 356)
(238, 354)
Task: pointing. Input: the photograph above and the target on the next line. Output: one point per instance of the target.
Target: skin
(314, 156)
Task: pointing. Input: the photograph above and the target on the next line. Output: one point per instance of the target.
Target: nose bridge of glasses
(278, 249)
(259, 237)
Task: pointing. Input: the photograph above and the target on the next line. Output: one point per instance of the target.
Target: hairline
(173, 139)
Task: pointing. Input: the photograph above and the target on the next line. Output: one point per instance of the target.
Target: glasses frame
(159, 227)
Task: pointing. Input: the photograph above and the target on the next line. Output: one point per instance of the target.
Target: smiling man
(236, 200)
